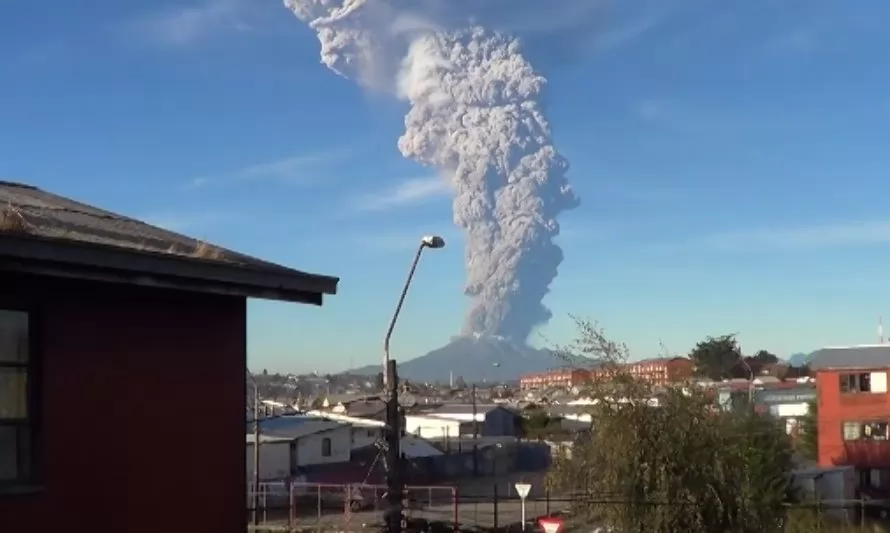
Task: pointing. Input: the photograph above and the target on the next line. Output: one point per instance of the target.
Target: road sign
(550, 524)
(523, 489)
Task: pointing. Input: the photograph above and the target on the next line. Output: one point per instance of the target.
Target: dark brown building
(108, 328)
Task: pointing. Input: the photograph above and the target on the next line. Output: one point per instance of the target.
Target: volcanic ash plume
(475, 116)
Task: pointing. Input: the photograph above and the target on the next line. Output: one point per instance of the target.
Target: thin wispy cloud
(851, 234)
(197, 183)
(289, 168)
(300, 169)
(623, 35)
(652, 111)
(398, 240)
(189, 24)
(409, 192)
(795, 41)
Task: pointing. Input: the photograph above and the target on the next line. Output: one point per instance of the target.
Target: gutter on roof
(56, 257)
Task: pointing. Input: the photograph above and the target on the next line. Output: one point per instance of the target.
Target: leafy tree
(716, 357)
(764, 357)
(679, 466)
(537, 423)
(808, 437)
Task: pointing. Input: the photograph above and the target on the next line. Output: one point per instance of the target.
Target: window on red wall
(16, 385)
(852, 431)
(871, 430)
(876, 431)
(863, 382)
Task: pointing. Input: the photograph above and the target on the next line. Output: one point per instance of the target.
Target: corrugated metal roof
(867, 357)
(294, 427)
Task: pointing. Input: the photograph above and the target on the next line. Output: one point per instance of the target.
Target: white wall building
(433, 427)
(289, 442)
(493, 421)
(366, 432)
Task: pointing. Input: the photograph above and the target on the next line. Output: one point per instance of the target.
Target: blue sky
(730, 159)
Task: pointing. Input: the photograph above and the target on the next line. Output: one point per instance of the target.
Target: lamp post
(393, 516)
(429, 241)
(256, 451)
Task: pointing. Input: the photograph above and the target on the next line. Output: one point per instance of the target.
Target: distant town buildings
(660, 370)
(656, 371)
(564, 377)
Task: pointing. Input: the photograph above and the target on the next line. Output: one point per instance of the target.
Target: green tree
(678, 466)
(808, 436)
(716, 357)
(764, 357)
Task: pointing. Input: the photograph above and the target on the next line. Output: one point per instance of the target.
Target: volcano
(478, 359)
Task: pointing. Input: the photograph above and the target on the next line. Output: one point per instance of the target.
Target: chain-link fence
(345, 507)
(358, 507)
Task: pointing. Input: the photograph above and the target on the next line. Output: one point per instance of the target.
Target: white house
(434, 427)
(366, 432)
(493, 420)
(289, 442)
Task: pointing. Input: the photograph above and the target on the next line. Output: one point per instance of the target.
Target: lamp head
(432, 241)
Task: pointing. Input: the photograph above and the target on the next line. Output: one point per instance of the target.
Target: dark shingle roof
(31, 214)
(865, 357)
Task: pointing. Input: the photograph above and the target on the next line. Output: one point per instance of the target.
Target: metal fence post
(455, 497)
(494, 504)
(547, 501)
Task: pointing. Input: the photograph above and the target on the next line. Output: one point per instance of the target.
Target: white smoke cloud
(475, 115)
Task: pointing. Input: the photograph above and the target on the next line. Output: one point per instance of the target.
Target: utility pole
(745, 364)
(256, 454)
(475, 432)
(394, 483)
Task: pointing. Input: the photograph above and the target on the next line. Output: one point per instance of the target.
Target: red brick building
(564, 377)
(109, 330)
(660, 370)
(854, 406)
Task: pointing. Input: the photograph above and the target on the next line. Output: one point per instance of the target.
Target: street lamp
(430, 241)
(394, 486)
(256, 451)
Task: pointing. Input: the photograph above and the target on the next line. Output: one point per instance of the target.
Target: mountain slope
(479, 359)
(799, 359)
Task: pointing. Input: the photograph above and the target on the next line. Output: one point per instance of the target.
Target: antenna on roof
(880, 330)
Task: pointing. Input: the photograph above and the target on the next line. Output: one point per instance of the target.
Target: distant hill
(799, 359)
(479, 359)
